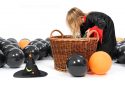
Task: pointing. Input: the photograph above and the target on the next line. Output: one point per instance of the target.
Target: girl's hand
(99, 30)
(85, 35)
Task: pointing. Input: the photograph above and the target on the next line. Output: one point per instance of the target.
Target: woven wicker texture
(64, 45)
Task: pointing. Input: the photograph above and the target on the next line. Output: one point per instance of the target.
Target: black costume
(105, 23)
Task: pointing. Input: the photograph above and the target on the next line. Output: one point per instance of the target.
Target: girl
(80, 22)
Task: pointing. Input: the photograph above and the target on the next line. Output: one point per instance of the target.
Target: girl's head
(74, 20)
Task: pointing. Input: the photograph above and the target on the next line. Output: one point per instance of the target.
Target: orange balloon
(100, 62)
(23, 43)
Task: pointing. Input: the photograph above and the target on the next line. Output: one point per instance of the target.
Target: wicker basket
(64, 45)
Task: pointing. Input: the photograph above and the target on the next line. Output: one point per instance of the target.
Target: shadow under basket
(64, 45)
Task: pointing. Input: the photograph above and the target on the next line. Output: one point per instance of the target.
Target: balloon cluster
(14, 54)
(10, 53)
(39, 48)
(121, 51)
(99, 63)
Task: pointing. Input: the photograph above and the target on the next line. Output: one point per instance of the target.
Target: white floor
(115, 76)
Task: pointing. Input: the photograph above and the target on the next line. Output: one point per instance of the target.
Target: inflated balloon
(7, 48)
(31, 49)
(15, 58)
(49, 47)
(122, 48)
(77, 65)
(121, 59)
(23, 43)
(42, 50)
(33, 42)
(46, 46)
(47, 39)
(4, 43)
(15, 45)
(100, 62)
(12, 40)
(39, 39)
(1, 40)
(118, 46)
(2, 59)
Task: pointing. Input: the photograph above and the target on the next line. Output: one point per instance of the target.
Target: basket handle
(91, 32)
(56, 31)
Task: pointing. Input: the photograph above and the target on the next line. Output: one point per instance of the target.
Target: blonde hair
(74, 20)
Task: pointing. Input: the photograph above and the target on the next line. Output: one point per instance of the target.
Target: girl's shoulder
(96, 13)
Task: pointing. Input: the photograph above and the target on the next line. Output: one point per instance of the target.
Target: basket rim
(58, 38)
(69, 37)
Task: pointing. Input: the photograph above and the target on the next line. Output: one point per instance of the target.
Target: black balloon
(15, 45)
(42, 41)
(118, 46)
(2, 59)
(121, 59)
(39, 39)
(31, 49)
(45, 43)
(7, 47)
(77, 65)
(121, 48)
(1, 40)
(47, 39)
(15, 58)
(4, 43)
(49, 47)
(118, 50)
(33, 42)
(42, 50)
(12, 40)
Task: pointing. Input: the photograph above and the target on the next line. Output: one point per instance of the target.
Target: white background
(37, 18)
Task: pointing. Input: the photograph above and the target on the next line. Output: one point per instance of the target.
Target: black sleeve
(97, 20)
(85, 26)
(83, 29)
(93, 19)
